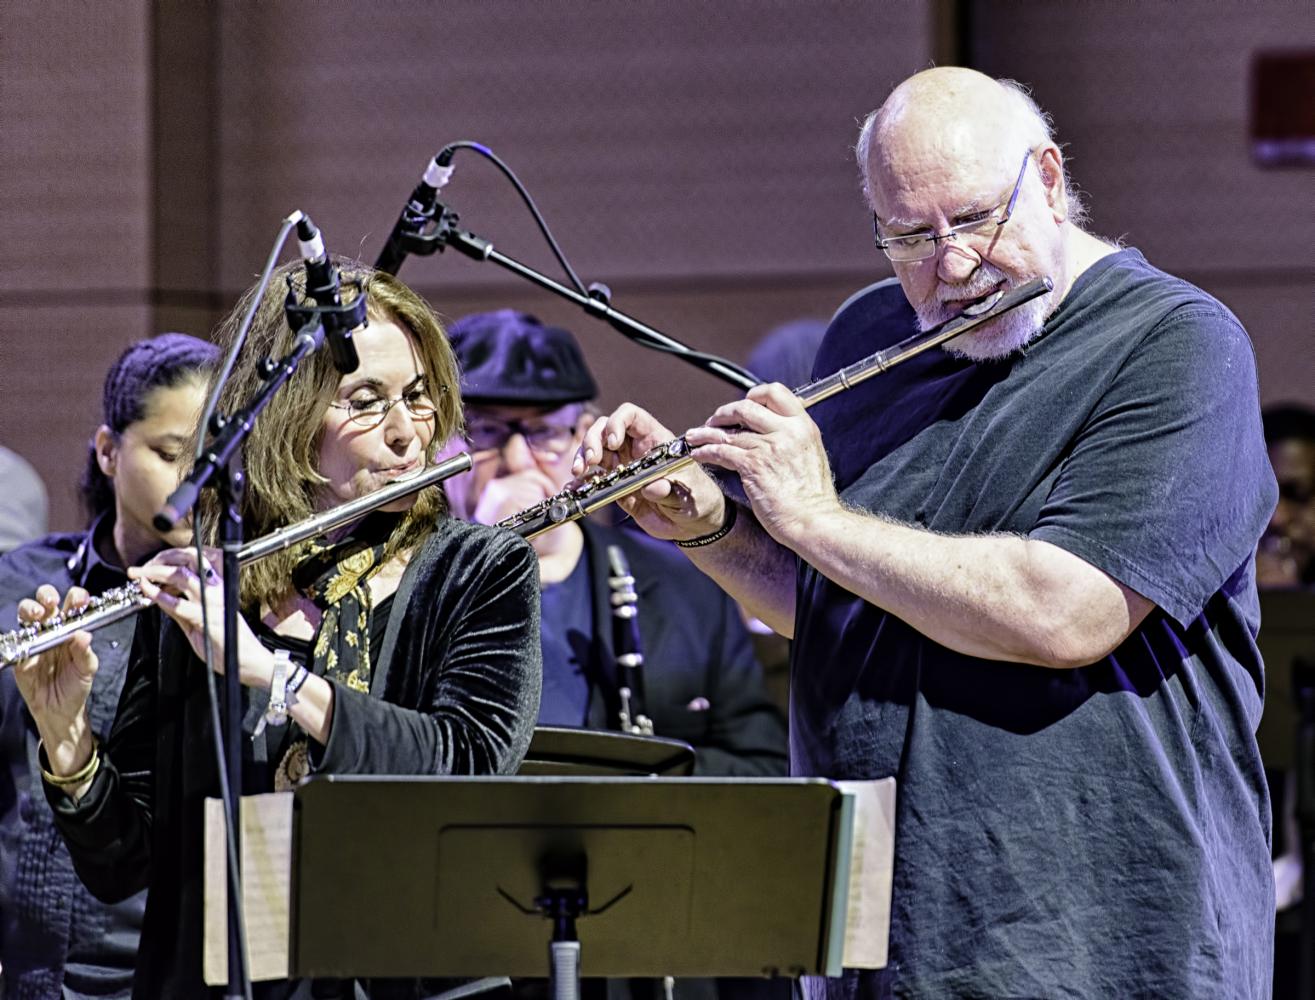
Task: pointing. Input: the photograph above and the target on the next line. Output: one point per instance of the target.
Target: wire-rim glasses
(920, 246)
(371, 411)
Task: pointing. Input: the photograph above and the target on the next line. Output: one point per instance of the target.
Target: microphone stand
(223, 463)
(425, 231)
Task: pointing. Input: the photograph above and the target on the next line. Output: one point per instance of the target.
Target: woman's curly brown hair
(281, 455)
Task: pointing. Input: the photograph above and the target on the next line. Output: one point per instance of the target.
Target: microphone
(323, 284)
(417, 212)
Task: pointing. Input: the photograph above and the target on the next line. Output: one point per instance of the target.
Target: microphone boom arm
(432, 230)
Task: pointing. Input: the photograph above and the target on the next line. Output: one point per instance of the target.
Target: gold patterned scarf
(336, 577)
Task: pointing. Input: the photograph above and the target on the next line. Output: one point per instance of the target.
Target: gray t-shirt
(1100, 832)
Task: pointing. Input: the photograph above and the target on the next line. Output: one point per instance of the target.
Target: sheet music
(267, 881)
(266, 886)
(867, 918)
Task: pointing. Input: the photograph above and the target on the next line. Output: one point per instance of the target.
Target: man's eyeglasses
(491, 433)
(370, 411)
(920, 246)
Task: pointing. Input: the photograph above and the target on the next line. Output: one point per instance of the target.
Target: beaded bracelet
(85, 773)
(295, 681)
(732, 512)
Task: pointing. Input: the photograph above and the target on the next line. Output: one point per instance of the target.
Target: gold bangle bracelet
(85, 773)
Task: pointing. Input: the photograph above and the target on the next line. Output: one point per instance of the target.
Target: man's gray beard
(996, 338)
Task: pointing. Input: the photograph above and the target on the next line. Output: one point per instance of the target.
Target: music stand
(565, 750)
(682, 877)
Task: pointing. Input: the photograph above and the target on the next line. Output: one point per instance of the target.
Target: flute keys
(27, 640)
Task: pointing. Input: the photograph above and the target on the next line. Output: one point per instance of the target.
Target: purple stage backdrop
(694, 156)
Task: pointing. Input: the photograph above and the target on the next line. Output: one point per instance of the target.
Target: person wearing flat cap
(527, 392)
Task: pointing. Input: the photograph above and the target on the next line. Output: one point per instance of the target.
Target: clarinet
(607, 487)
(625, 644)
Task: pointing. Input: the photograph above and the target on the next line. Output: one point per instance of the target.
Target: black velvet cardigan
(454, 691)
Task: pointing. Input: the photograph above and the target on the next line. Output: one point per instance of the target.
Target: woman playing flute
(57, 942)
(406, 644)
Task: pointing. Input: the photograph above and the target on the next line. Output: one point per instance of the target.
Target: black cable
(216, 731)
(212, 692)
(227, 368)
(445, 157)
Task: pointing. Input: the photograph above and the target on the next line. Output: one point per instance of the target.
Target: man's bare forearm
(755, 570)
(1001, 597)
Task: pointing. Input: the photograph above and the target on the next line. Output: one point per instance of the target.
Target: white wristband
(276, 714)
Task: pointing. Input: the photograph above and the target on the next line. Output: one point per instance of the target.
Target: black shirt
(1096, 832)
(455, 690)
(56, 939)
(568, 627)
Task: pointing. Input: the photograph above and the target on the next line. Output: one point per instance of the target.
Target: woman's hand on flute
(56, 683)
(173, 582)
(686, 504)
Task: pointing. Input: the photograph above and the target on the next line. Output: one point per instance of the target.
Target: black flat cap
(510, 358)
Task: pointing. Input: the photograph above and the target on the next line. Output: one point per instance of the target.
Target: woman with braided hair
(407, 643)
(56, 940)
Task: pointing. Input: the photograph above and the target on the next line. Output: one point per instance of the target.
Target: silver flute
(120, 602)
(607, 487)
